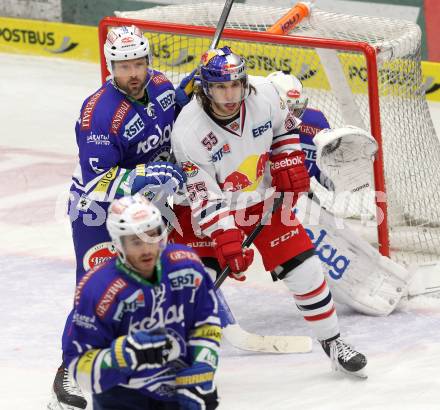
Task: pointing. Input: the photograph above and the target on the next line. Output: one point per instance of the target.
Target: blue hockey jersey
(111, 300)
(313, 121)
(115, 133)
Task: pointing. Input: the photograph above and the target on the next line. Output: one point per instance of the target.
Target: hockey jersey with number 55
(228, 167)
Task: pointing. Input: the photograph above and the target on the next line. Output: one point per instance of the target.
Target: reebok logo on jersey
(133, 127)
(286, 163)
(166, 99)
(261, 129)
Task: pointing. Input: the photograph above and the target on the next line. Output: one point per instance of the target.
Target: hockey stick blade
(241, 339)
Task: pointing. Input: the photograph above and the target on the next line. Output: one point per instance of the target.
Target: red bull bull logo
(248, 175)
(190, 169)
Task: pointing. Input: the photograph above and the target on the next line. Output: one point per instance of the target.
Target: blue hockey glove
(156, 177)
(195, 388)
(141, 350)
(185, 89)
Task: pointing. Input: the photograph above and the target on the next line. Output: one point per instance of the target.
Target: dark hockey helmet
(222, 65)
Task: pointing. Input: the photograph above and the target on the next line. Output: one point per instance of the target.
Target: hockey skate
(66, 394)
(344, 358)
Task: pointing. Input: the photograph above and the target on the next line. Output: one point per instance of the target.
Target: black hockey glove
(141, 350)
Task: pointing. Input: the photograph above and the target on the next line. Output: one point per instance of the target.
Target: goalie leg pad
(313, 297)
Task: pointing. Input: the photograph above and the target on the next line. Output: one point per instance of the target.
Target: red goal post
(367, 50)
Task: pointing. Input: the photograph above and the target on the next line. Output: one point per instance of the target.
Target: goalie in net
(339, 162)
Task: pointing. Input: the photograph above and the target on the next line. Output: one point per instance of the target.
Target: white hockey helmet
(290, 90)
(125, 43)
(134, 215)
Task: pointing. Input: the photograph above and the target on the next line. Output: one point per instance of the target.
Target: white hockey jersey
(228, 167)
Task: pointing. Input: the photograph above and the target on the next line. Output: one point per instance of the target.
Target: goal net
(362, 71)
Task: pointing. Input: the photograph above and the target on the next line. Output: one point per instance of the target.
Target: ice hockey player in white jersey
(237, 143)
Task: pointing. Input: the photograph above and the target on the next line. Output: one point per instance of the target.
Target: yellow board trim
(76, 42)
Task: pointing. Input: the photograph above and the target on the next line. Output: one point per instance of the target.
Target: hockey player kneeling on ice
(145, 332)
(238, 143)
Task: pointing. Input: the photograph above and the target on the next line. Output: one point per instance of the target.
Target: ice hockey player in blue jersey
(145, 331)
(290, 90)
(123, 138)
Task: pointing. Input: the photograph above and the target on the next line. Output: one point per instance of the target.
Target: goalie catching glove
(141, 350)
(195, 388)
(160, 176)
(229, 251)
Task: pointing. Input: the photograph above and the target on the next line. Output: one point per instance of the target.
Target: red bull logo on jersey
(190, 169)
(248, 175)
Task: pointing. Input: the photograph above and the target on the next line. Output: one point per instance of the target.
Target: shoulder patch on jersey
(290, 123)
(109, 296)
(159, 79)
(181, 255)
(87, 113)
(185, 278)
(119, 116)
(189, 168)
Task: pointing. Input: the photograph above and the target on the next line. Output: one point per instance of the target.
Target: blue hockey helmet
(222, 65)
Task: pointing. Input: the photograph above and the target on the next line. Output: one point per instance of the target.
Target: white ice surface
(40, 101)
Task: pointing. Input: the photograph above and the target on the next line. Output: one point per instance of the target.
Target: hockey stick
(233, 332)
(221, 24)
(250, 239)
(244, 340)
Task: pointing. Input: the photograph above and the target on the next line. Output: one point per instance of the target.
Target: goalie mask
(290, 90)
(126, 43)
(135, 215)
(221, 66)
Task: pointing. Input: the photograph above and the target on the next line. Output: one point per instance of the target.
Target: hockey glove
(185, 90)
(289, 173)
(230, 253)
(195, 388)
(156, 177)
(141, 350)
